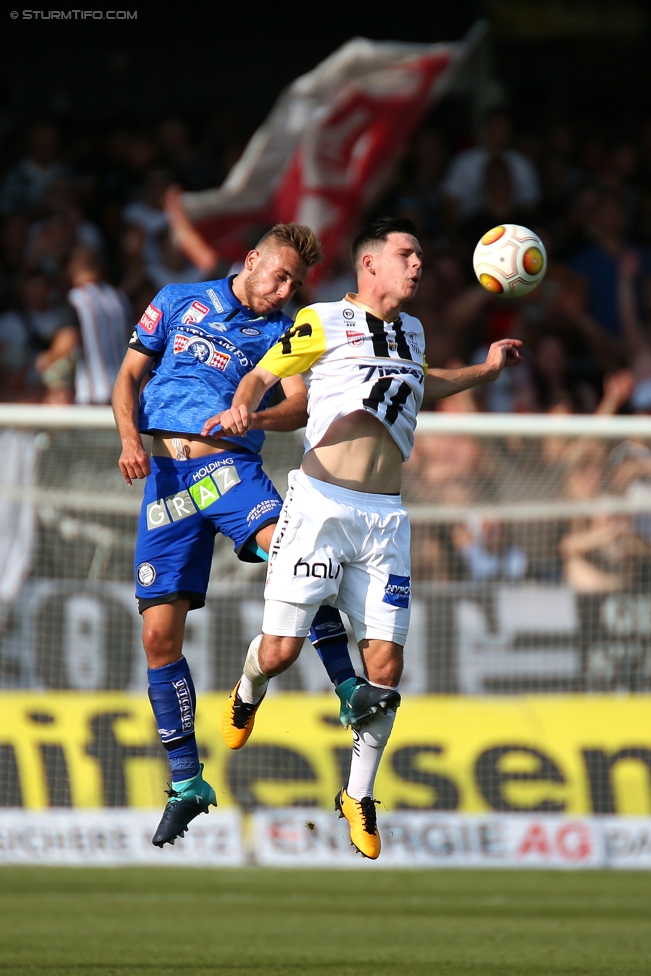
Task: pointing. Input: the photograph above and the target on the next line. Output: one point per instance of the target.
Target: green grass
(157, 922)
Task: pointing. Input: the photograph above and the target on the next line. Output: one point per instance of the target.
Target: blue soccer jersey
(204, 341)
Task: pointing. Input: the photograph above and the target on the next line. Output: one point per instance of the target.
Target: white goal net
(531, 551)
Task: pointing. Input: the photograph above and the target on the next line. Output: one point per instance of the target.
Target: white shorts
(341, 547)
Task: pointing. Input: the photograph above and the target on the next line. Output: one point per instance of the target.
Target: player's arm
(440, 383)
(248, 397)
(296, 351)
(291, 414)
(134, 460)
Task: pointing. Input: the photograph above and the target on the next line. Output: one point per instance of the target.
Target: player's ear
(368, 263)
(251, 259)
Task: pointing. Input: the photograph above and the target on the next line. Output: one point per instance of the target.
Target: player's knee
(384, 661)
(276, 654)
(161, 646)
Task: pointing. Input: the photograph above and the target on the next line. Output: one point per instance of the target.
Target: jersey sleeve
(150, 333)
(298, 348)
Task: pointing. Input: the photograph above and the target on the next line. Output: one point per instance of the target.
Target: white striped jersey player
(352, 360)
(103, 315)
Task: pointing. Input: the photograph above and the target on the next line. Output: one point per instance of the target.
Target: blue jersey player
(191, 348)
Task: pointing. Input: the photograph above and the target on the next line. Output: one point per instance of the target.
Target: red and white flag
(323, 152)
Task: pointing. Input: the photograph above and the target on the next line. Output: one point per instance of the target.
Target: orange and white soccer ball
(510, 260)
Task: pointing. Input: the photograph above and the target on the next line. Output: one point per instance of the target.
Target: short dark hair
(378, 231)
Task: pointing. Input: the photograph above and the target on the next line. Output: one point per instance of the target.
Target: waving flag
(323, 152)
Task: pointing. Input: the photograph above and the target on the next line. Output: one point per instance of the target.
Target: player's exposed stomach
(359, 453)
(179, 446)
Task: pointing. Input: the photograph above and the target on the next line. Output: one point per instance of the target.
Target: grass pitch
(158, 922)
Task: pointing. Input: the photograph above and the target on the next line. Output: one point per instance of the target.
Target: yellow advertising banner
(566, 754)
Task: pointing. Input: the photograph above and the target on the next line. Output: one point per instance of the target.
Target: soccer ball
(510, 260)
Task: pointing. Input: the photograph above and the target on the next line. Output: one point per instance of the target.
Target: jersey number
(297, 330)
(396, 402)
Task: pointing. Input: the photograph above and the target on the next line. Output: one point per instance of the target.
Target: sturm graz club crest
(146, 574)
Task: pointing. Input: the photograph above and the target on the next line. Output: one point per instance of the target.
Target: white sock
(368, 745)
(254, 681)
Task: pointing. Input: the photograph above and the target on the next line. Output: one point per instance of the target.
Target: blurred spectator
(33, 336)
(148, 212)
(181, 158)
(465, 177)
(487, 551)
(598, 263)
(498, 205)
(104, 326)
(604, 554)
(25, 187)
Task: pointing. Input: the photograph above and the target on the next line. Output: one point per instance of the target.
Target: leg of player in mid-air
(271, 655)
(173, 560)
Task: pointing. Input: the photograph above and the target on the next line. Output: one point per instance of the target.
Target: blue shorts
(186, 503)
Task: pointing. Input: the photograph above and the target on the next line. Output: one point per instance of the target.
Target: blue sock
(173, 699)
(330, 641)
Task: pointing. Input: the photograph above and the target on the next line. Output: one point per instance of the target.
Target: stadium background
(532, 623)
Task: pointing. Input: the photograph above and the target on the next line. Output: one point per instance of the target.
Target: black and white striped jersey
(352, 360)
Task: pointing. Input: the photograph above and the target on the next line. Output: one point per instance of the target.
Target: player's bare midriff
(359, 453)
(189, 445)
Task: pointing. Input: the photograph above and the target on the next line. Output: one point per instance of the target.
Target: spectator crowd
(91, 228)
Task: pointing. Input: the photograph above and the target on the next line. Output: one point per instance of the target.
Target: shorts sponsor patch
(204, 493)
(157, 514)
(146, 574)
(150, 318)
(180, 506)
(397, 591)
(267, 507)
(226, 478)
(195, 313)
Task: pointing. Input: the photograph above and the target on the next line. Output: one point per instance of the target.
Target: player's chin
(411, 288)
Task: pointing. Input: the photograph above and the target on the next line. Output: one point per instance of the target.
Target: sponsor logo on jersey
(195, 313)
(134, 336)
(150, 318)
(202, 350)
(217, 326)
(354, 338)
(146, 574)
(348, 313)
(415, 371)
(248, 331)
(234, 351)
(216, 304)
(397, 591)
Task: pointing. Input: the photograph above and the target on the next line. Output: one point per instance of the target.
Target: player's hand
(234, 423)
(501, 355)
(134, 462)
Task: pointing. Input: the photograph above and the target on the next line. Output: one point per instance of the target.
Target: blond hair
(297, 236)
